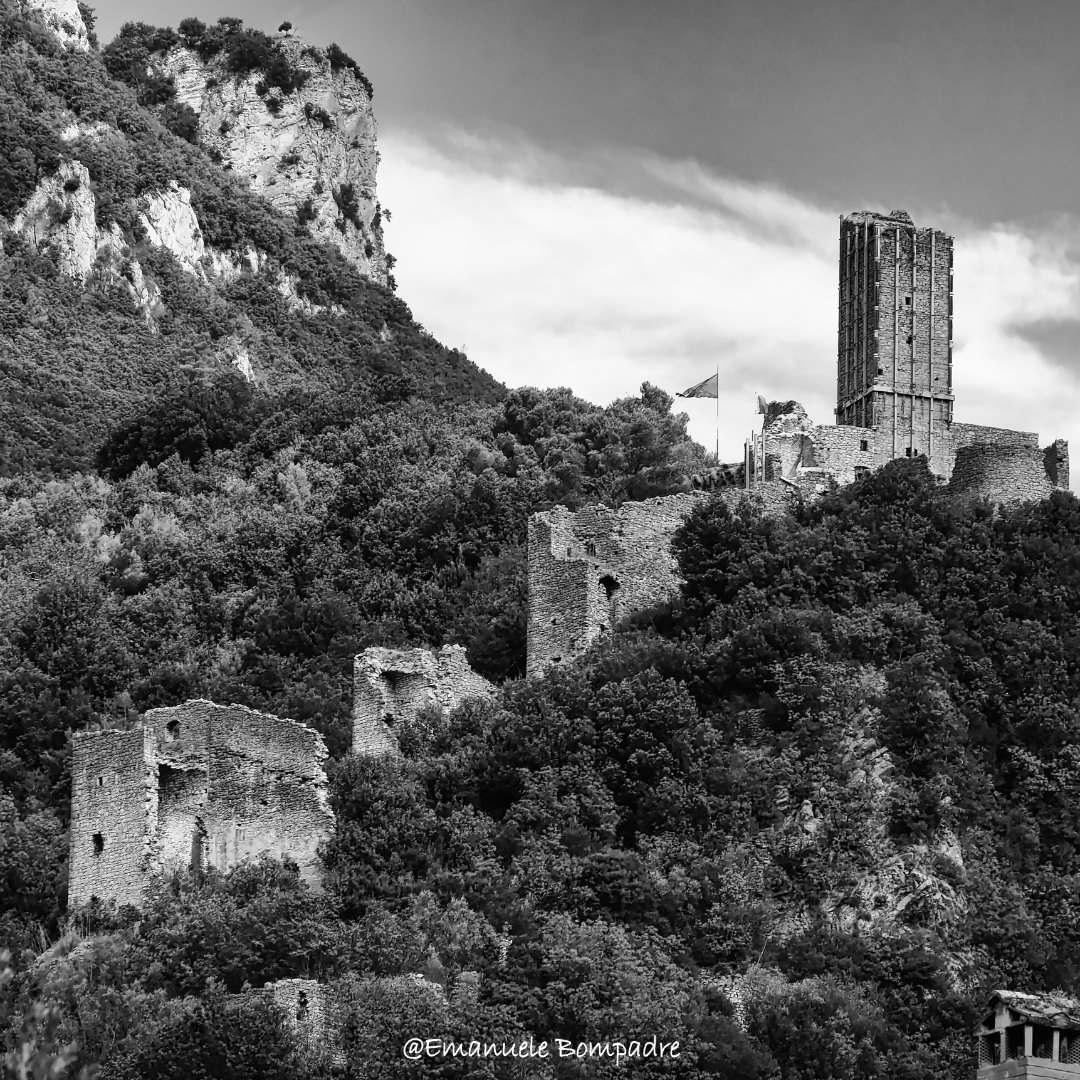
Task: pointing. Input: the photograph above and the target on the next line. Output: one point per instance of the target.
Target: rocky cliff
(63, 18)
(311, 151)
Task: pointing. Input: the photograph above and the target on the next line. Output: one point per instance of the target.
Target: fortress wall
(1004, 474)
(839, 450)
(114, 810)
(223, 783)
(267, 791)
(1056, 463)
(392, 686)
(310, 1014)
(182, 795)
(592, 568)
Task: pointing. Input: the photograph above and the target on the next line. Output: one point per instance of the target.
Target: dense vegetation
(840, 772)
(77, 360)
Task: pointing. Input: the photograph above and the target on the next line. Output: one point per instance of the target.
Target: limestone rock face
(171, 223)
(59, 217)
(313, 148)
(64, 19)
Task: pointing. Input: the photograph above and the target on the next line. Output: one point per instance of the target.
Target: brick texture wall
(195, 783)
(391, 686)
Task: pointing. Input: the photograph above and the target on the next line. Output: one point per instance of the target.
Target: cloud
(603, 271)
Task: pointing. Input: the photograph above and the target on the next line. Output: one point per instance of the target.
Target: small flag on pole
(708, 388)
(762, 405)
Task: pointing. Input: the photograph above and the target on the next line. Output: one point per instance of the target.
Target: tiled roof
(1053, 1010)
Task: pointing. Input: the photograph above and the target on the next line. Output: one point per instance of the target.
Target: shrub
(314, 112)
(342, 61)
(349, 205)
(182, 120)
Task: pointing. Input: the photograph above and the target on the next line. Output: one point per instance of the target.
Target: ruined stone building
(591, 568)
(392, 686)
(894, 399)
(196, 784)
(894, 380)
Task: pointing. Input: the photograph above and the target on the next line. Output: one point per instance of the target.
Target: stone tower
(894, 343)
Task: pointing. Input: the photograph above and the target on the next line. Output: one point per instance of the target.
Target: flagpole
(718, 412)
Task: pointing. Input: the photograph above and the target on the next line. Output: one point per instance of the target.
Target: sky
(595, 193)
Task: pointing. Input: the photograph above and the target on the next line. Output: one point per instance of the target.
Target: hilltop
(138, 249)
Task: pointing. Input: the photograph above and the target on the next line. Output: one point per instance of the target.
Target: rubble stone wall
(1006, 475)
(392, 686)
(591, 568)
(114, 813)
(197, 783)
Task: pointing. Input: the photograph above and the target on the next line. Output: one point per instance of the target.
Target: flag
(762, 405)
(708, 388)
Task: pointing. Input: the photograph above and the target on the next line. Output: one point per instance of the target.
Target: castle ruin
(894, 399)
(193, 785)
(592, 568)
(392, 686)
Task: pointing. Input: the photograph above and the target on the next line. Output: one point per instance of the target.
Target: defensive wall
(197, 784)
(1001, 465)
(392, 686)
(590, 569)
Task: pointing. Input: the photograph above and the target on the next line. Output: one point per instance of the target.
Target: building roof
(1051, 1010)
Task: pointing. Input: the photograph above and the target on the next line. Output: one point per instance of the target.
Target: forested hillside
(78, 359)
(801, 821)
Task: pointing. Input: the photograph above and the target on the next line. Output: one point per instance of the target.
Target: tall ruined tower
(894, 345)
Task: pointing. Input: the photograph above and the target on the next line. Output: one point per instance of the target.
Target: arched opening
(172, 730)
(611, 586)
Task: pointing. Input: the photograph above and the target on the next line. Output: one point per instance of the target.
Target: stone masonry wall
(591, 568)
(310, 1015)
(195, 784)
(391, 686)
(793, 444)
(1008, 475)
(263, 782)
(113, 816)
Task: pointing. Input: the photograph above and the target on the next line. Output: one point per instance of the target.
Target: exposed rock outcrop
(311, 151)
(59, 218)
(63, 18)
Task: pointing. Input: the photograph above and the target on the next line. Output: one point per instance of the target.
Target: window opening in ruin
(907, 301)
(172, 730)
(556, 659)
(590, 548)
(909, 339)
(302, 1006)
(611, 586)
(101, 781)
(864, 444)
(99, 843)
(907, 451)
